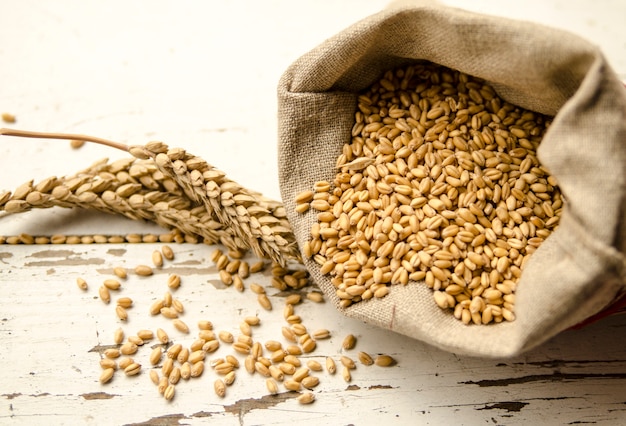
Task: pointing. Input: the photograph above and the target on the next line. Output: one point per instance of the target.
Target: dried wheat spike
(257, 223)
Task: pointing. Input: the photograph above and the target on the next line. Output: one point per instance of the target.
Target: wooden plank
(53, 335)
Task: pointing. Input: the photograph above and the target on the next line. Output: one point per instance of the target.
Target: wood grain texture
(53, 335)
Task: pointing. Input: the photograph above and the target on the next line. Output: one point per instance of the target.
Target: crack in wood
(65, 262)
(244, 406)
(117, 252)
(509, 406)
(97, 395)
(11, 395)
(53, 253)
(555, 363)
(554, 377)
(166, 420)
(5, 255)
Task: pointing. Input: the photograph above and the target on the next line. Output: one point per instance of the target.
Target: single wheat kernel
(321, 334)
(157, 258)
(294, 319)
(205, 325)
(174, 376)
(154, 377)
(293, 299)
(274, 345)
(289, 334)
(310, 382)
(288, 311)
(169, 392)
(226, 336)
(229, 378)
(276, 373)
(180, 326)
(174, 350)
(106, 375)
(308, 344)
(156, 306)
(143, 270)
(306, 398)
(121, 313)
(223, 368)
(145, 334)
(345, 373)
(293, 350)
(249, 364)
(136, 340)
(384, 361)
(197, 344)
(133, 238)
(216, 255)
(183, 356)
(112, 353)
(232, 361)
(178, 306)
(211, 346)
(125, 302)
(169, 313)
(167, 251)
(293, 360)
(185, 371)
(173, 281)
(133, 369)
(197, 356)
(197, 369)
(220, 388)
(162, 336)
(271, 385)
(244, 270)
(81, 283)
(292, 385)
(256, 288)
(365, 358)
(287, 368)
(265, 302)
(245, 328)
(128, 348)
(105, 296)
(257, 267)
(348, 362)
(112, 284)
(167, 367)
(278, 355)
(331, 367)
(262, 369)
(125, 362)
(8, 118)
(300, 374)
(118, 336)
(120, 272)
(167, 299)
(155, 355)
(252, 320)
(349, 342)
(108, 363)
(299, 329)
(163, 384)
(314, 365)
(315, 296)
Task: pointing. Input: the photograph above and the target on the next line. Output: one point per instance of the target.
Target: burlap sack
(579, 270)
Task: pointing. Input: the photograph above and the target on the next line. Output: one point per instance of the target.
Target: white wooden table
(202, 76)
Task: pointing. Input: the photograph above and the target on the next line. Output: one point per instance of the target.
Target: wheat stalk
(170, 187)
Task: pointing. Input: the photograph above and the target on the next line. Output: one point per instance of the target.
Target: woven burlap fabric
(579, 269)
